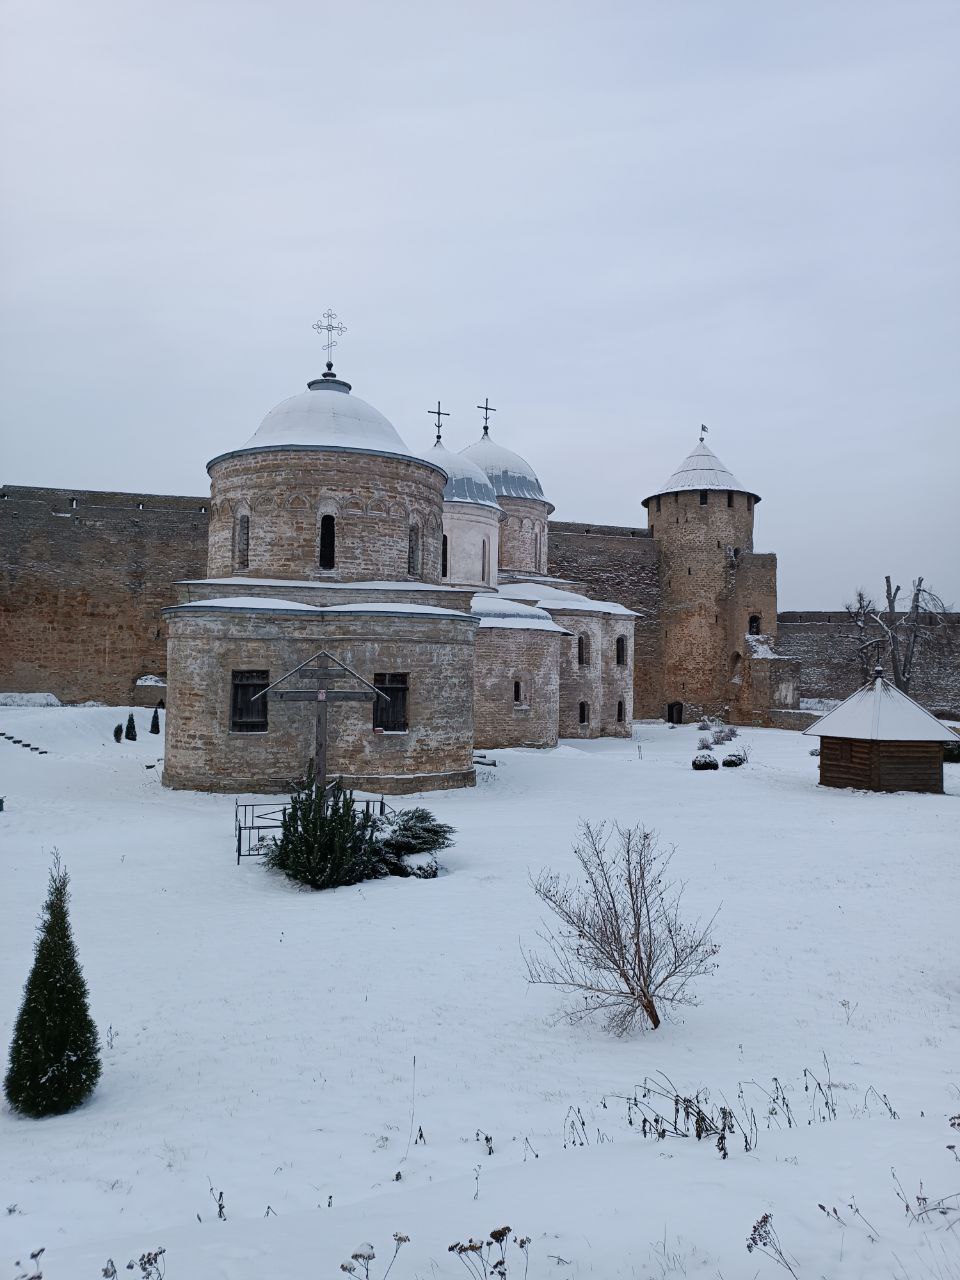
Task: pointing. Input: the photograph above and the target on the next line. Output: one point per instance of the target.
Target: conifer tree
(324, 841)
(55, 1053)
(130, 732)
(118, 733)
(155, 722)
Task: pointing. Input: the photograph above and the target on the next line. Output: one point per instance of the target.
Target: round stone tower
(470, 551)
(702, 521)
(523, 531)
(325, 488)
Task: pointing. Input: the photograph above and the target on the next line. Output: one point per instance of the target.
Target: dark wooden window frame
(247, 716)
(392, 716)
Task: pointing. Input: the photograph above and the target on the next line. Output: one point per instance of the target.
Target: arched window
(327, 554)
(620, 712)
(413, 551)
(584, 712)
(753, 627)
(735, 660)
(621, 651)
(484, 560)
(583, 650)
(243, 542)
(517, 691)
(536, 552)
(444, 561)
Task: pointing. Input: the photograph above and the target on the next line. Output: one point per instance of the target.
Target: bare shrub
(621, 945)
(704, 744)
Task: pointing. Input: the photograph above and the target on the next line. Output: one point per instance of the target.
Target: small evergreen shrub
(705, 760)
(415, 831)
(734, 760)
(155, 722)
(118, 733)
(55, 1054)
(130, 733)
(951, 752)
(324, 842)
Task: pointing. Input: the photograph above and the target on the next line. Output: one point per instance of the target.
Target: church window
(659, 504)
(536, 552)
(583, 650)
(444, 557)
(689, 571)
(328, 542)
(620, 712)
(703, 497)
(413, 551)
(73, 501)
(676, 499)
(749, 502)
(390, 715)
(484, 560)
(517, 691)
(753, 625)
(621, 651)
(584, 712)
(243, 542)
(729, 498)
(248, 714)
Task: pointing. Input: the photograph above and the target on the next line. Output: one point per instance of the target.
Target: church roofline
(324, 448)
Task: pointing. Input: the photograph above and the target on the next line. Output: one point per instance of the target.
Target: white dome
(700, 469)
(510, 475)
(465, 481)
(326, 415)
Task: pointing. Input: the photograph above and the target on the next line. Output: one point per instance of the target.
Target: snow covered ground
(261, 1041)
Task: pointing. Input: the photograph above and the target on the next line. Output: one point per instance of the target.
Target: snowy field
(260, 1041)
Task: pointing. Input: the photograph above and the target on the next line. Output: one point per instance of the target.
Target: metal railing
(251, 819)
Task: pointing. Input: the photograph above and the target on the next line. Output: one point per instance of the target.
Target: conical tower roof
(701, 469)
(879, 712)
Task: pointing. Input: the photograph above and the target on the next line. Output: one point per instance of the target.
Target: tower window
(729, 498)
(247, 715)
(703, 497)
(753, 627)
(243, 542)
(517, 691)
(391, 716)
(659, 504)
(328, 542)
(621, 651)
(413, 551)
(620, 712)
(444, 553)
(583, 650)
(749, 502)
(485, 561)
(584, 712)
(689, 571)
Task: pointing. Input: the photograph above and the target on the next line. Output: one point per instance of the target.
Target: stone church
(438, 577)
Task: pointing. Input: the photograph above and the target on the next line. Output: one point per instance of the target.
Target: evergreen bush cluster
(705, 760)
(326, 842)
(54, 1061)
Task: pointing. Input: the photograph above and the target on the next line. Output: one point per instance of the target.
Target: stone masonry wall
(504, 655)
(83, 577)
(825, 644)
(284, 493)
(523, 535)
(621, 564)
(205, 647)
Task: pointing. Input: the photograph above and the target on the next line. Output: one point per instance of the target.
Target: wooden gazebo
(881, 740)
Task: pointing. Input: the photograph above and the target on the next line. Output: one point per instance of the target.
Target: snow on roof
(466, 482)
(879, 712)
(395, 610)
(266, 604)
(553, 598)
(499, 612)
(510, 475)
(700, 469)
(327, 416)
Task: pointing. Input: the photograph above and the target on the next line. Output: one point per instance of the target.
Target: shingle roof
(701, 469)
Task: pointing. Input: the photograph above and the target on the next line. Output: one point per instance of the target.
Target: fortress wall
(614, 562)
(825, 644)
(83, 577)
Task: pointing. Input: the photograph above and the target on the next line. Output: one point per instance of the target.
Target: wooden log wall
(881, 766)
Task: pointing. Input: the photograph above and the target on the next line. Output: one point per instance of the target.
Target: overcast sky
(616, 220)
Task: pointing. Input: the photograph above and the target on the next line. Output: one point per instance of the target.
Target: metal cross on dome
(437, 413)
(487, 410)
(329, 325)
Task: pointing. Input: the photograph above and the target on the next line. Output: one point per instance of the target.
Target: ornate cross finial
(438, 413)
(329, 325)
(487, 410)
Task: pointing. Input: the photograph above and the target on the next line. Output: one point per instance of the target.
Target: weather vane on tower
(329, 324)
(703, 432)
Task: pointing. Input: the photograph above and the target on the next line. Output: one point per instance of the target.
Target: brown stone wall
(504, 655)
(205, 647)
(523, 535)
(825, 645)
(285, 493)
(621, 564)
(83, 577)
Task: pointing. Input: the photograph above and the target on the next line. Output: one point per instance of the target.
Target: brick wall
(83, 577)
(825, 643)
